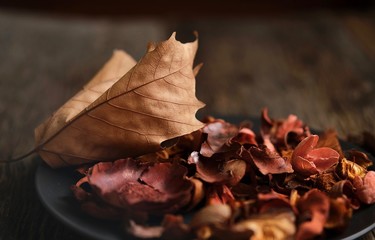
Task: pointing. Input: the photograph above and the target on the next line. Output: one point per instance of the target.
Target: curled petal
(365, 187)
(220, 168)
(308, 161)
(304, 166)
(305, 146)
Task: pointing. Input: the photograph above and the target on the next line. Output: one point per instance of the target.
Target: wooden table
(319, 66)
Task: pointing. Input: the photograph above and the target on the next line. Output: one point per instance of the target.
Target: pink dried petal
(323, 158)
(365, 187)
(305, 146)
(308, 161)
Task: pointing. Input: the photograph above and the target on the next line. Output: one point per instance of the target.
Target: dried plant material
(269, 162)
(211, 181)
(365, 187)
(152, 102)
(218, 133)
(283, 133)
(126, 185)
(340, 213)
(269, 226)
(308, 161)
(211, 215)
(359, 158)
(349, 170)
(329, 139)
(313, 208)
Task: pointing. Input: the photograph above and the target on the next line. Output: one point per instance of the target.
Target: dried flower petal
(308, 161)
(159, 188)
(365, 187)
(349, 170)
(283, 132)
(269, 162)
(218, 133)
(340, 213)
(313, 209)
(273, 225)
(359, 158)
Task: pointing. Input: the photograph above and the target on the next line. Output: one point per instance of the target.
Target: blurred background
(315, 59)
(303, 57)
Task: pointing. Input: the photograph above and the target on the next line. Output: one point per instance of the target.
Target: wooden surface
(318, 65)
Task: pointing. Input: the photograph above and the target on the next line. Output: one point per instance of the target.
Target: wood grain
(320, 66)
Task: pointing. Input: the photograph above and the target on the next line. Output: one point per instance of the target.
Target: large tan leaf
(151, 103)
(119, 64)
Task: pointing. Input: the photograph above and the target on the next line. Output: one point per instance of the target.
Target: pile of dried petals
(232, 184)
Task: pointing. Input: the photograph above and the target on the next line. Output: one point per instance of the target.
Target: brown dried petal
(329, 139)
(220, 168)
(359, 158)
(340, 213)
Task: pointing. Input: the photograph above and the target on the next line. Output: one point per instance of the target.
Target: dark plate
(53, 187)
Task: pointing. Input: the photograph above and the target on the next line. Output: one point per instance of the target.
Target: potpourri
(226, 182)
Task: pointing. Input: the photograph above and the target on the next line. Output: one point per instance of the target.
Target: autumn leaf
(154, 101)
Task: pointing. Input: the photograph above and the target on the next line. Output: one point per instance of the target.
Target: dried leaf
(151, 103)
